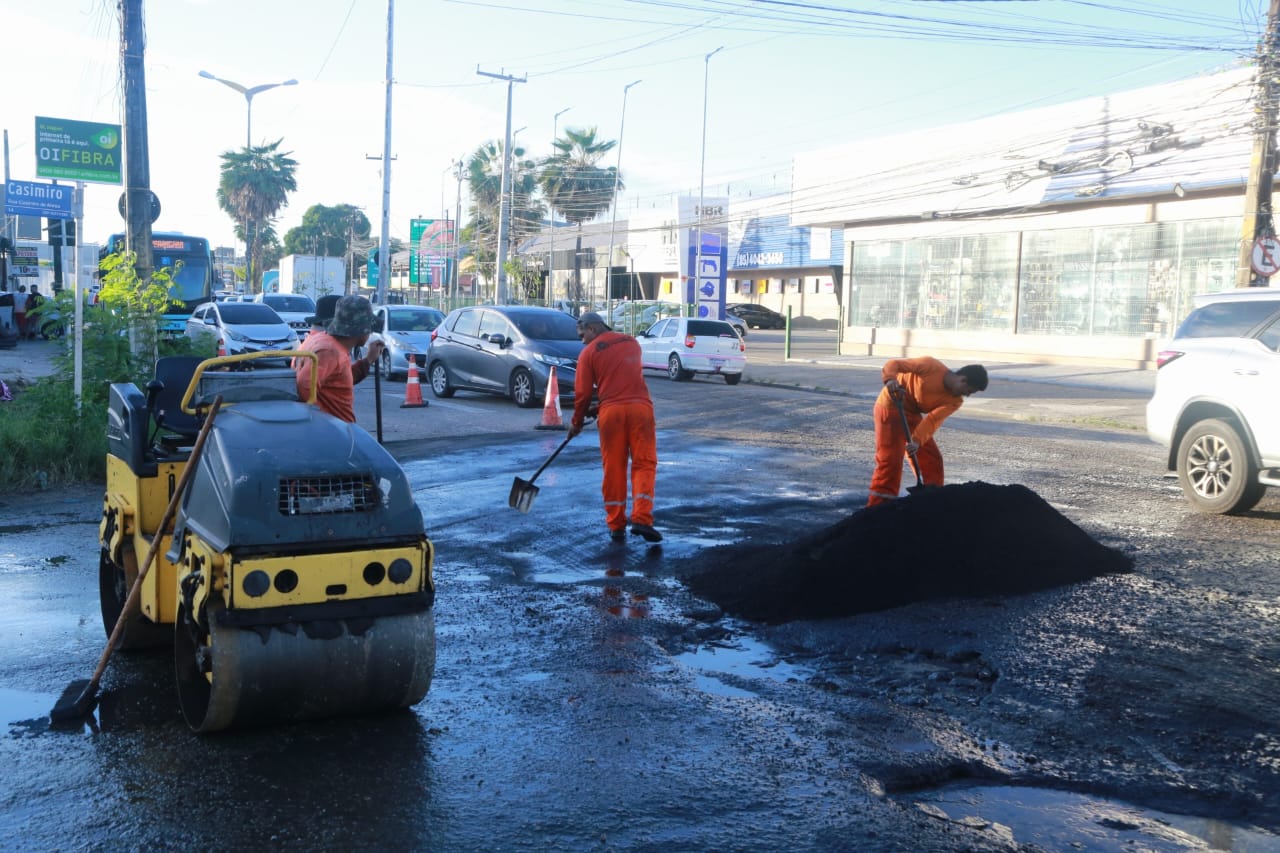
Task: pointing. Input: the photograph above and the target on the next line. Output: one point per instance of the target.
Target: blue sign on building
(30, 198)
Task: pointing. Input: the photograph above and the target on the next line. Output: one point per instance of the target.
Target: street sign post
(31, 198)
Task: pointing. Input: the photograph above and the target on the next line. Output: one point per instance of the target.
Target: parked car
(240, 327)
(504, 349)
(683, 346)
(1215, 405)
(293, 308)
(758, 316)
(634, 316)
(406, 330)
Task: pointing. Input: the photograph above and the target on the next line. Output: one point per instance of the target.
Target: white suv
(1217, 399)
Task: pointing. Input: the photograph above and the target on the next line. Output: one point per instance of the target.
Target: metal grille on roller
(327, 495)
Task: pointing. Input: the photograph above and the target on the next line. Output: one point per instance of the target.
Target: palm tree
(484, 179)
(255, 184)
(576, 187)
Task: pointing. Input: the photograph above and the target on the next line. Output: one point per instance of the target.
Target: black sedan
(759, 317)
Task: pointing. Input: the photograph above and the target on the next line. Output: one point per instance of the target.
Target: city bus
(189, 260)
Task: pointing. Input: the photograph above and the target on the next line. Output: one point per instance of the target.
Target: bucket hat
(352, 317)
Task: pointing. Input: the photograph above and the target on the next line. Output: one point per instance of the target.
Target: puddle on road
(1060, 820)
(19, 708)
(728, 670)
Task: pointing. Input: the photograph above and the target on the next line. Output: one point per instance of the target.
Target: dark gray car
(504, 349)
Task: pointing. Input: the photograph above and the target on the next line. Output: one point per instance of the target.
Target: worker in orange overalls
(929, 392)
(609, 367)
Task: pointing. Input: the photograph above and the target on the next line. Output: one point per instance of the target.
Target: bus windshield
(187, 259)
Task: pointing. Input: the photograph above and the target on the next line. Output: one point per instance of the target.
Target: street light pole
(551, 214)
(617, 174)
(248, 92)
(697, 218)
(500, 273)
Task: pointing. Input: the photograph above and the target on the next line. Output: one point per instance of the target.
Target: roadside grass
(47, 440)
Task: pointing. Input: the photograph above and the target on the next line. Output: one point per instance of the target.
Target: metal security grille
(326, 495)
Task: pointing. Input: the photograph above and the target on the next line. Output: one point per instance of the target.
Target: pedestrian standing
(929, 393)
(336, 374)
(20, 311)
(609, 369)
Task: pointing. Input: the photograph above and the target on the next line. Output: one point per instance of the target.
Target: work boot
(648, 531)
(619, 535)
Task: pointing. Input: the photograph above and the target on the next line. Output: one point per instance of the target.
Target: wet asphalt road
(583, 699)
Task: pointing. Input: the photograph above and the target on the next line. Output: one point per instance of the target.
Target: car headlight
(234, 335)
(293, 337)
(556, 360)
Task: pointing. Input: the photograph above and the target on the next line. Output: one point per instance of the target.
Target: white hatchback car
(683, 346)
(1216, 406)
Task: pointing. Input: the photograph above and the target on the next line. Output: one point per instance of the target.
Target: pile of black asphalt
(965, 540)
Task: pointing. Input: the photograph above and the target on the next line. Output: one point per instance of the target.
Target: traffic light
(60, 230)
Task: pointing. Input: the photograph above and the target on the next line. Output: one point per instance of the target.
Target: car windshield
(403, 320)
(292, 304)
(547, 326)
(247, 313)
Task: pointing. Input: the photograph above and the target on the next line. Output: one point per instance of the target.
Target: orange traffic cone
(413, 389)
(551, 417)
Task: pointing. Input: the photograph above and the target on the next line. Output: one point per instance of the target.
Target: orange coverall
(336, 375)
(927, 404)
(609, 366)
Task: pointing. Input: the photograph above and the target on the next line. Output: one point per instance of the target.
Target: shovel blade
(522, 494)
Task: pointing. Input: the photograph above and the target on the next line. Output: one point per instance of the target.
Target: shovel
(915, 463)
(524, 491)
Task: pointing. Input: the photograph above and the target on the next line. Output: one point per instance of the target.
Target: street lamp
(551, 270)
(248, 93)
(697, 231)
(617, 173)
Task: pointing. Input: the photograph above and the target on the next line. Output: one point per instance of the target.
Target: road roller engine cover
(296, 582)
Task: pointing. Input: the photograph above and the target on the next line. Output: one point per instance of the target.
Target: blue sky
(790, 77)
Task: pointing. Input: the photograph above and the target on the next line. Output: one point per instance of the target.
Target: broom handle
(135, 592)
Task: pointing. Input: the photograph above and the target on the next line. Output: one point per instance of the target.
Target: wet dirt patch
(964, 540)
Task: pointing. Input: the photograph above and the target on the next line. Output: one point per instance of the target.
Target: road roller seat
(174, 427)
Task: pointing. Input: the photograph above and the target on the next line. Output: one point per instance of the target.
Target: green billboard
(78, 150)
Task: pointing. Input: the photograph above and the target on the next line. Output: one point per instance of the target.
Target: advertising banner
(25, 262)
(430, 242)
(78, 150)
(705, 241)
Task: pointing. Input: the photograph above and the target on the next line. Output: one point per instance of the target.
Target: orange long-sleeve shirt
(610, 367)
(926, 395)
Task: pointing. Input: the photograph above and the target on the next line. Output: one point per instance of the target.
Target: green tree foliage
(48, 440)
(576, 187)
(255, 184)
(329, 231)
(484, 180)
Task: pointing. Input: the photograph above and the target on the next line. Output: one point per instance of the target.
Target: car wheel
(1215, 470)
(675, 372)
(385, 361)
(522, 389)
(742, 331)
(732, 378)
(440, 385)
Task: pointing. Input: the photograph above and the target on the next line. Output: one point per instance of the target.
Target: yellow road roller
(296, 579)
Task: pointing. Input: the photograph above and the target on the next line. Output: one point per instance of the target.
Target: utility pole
(504, 212)
(384, 241)
(1262, 166)
(457, 235)
(137, 195)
